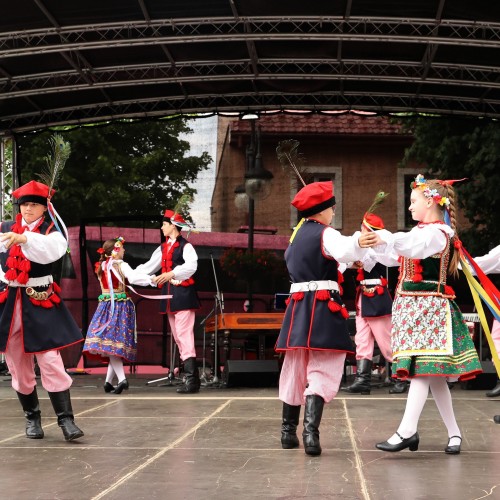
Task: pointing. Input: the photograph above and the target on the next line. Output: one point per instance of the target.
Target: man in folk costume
(373, 313)
(33, 318)
(314, 333)
(178, 262)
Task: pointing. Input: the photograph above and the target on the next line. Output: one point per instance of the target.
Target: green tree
(123, 168)
(454, 148)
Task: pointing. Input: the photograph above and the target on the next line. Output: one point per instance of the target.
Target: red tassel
(56, 287)
(360, 275)
(298, 296)
(11, 262)
(15, 251)
(35, 302)
(322, 295)
(340, 278)
(333, 306)
(369, 294)
(23, 278)
(417, 278)
(25, 266)
(11, 275)
(345, 313)
(383, 281)
(287, 301)
(380, 289)
(448, 290)
(46, 304)
(55, 299)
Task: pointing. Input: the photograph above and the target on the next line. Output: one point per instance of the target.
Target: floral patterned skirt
(462, 364)
(118, 338)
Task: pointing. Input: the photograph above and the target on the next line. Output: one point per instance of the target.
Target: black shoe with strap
(108, 387)
(123, 385)
(453, 449)
(411, 443)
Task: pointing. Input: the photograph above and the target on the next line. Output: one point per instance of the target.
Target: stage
(150, 443)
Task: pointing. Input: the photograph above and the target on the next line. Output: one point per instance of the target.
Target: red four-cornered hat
(171, 216)
(34, 192)
(372, 221)
(314, 198)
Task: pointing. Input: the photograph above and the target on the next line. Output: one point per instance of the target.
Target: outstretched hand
(368, 240)
(10, 238)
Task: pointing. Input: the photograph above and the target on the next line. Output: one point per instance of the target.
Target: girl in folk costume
(178, 262)
(33, 318)
(490, 264)
(314, 333)
(373, 312)
(112, 331)
(430, 340)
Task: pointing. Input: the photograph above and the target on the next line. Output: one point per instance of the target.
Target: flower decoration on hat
(421, 183)
(118, 246)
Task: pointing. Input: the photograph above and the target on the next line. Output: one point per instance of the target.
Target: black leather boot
(495, 391)
(192, 377)
(289, 425)
(61, 402)
(400, 387)
(31, 408)
(362, 381)
(313, 412)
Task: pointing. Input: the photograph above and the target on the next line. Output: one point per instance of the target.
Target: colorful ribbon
(487, 293)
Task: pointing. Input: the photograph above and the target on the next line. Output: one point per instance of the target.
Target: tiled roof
(318, 124)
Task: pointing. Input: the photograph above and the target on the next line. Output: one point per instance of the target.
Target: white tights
(417, 396)
(115, 366)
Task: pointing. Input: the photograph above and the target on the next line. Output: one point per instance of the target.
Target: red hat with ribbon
(372, 221)
(314, 198)
(33, 191)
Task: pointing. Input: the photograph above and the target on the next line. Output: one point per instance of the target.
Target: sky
(203, 138)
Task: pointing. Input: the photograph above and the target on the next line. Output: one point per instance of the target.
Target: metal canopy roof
(78, 62)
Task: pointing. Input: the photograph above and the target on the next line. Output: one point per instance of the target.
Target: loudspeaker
(251, 373)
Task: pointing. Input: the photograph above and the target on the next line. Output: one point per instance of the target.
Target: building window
(321, 174)
(405, 177)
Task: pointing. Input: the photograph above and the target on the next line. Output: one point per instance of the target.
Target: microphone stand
(218, 306)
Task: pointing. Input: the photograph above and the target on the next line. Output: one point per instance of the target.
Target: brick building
(359, 153)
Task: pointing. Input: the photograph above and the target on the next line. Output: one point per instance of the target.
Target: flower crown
(118, 245)
(421, 183)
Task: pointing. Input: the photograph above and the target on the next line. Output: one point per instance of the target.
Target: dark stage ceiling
(69, 62)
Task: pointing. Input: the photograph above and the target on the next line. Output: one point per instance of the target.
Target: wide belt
(34, 282)
(372, 282)
(312, 286)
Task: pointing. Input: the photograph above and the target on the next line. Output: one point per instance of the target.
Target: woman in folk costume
(178, 261)
(373, 312)
(430, 340)
(33, 318)
(314, 333)
(112, 331)
(490, 264)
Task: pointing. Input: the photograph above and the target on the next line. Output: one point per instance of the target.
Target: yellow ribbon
(479, 293)
(297, 227)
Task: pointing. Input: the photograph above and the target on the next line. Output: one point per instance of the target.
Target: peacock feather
(55, 161)
(289, 157)
(182, 206)
(377, 201)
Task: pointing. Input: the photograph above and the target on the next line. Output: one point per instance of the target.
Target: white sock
(110, 374)
(117, 364)
(417, 396)
(442, 396)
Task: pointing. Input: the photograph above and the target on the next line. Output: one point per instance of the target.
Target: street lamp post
(257, 187)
